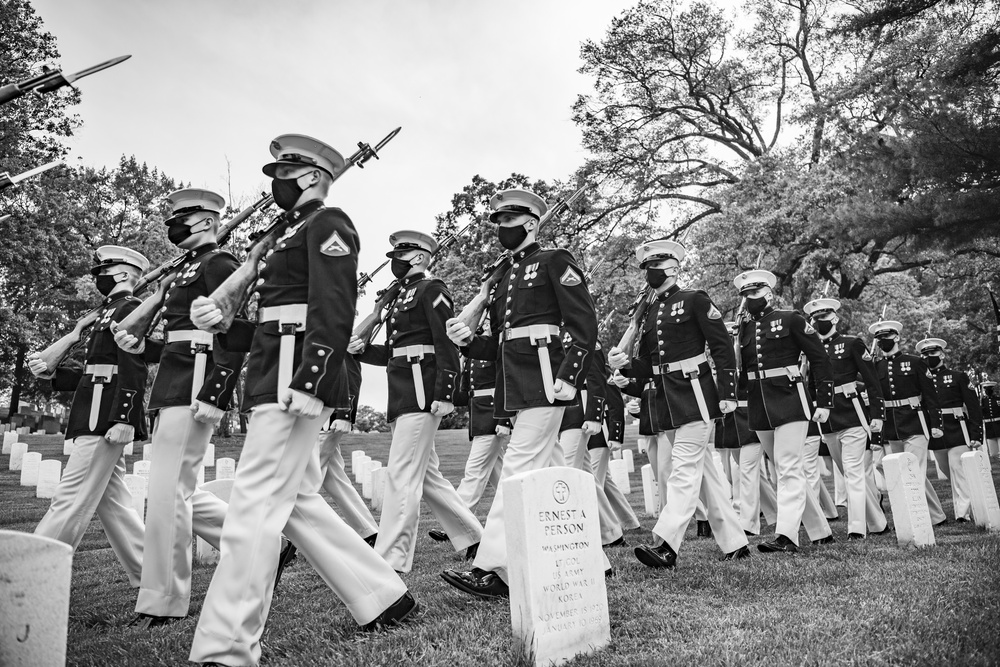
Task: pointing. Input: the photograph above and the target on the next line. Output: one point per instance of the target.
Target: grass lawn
(869, 603)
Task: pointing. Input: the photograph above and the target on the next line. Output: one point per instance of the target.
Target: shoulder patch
(867, 356)
(570, 278)
(809, 329)
(713, 313)
(334, 246)
(441, 298)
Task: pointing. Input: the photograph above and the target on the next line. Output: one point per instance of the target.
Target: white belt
(100, 374)
(101, 371)
(201, 345)
(413, 354)
(290, 318)
(539, 335)
(193, 336)
(912, 402)
(478, 393)
(850, 390)
(682, 365)
(957, 413)
(846, 389)
(991, 420)
(532, 331)
(794, 373)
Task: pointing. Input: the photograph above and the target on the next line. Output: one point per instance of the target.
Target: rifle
(232, 294)
(366, 278)
(606, 321)
(142, 320)
(636, 314)
(6, 180)
(51, 79)
(370, 326)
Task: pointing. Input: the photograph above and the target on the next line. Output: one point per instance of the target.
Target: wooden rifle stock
(636, 313)
(475, 311)
(57, 351)
(369, 326)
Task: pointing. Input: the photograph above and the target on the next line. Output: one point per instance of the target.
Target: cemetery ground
(849, 603)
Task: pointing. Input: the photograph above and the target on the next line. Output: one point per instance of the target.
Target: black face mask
(823, 326)
(178, 232)
(286, 192)
(886, 344)
(655, 277)
(933, 362)
(105, 284)
(756, 304)
(512, 237)
(400, 267)
(989, 390)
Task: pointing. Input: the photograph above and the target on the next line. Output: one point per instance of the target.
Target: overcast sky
(478, 88)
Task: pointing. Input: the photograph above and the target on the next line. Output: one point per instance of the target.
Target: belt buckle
(416, 358)
(543, 337)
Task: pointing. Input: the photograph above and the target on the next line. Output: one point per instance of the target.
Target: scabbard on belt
(959, 414)
(539, 335)
(794, 374)
(201, 344)
(414, 354)
(100, 375)
(291, 319)
(690, 368)
(850, 391)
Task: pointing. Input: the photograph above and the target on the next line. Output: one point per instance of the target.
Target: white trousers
(848, 448)
(757, 493)
(599, 459)
(93, 481)
(949, 461)
(338, 484)
(483, 466)
(839, 483)
(175, 507)
(414, 475)
(797, 504)
(277, 487)
(694, 474)
(574, 447)
(993, 446)
(917, 445)
(810, 464)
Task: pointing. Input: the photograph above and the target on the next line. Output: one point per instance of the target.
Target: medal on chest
(676, 308)
(838, 349)
(905, 367)
(531, 271)
(410, 294)
(776, 326)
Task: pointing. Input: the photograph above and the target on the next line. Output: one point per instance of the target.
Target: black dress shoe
(836, 518)
(438, 535)
(824, 540)
(472, 551)
(481, 583)
(742, 552)
(704, 529)
(658, 557)
(851, 537)
(287, 556)
(620, 542)
(880, 532)
(608, 573)
(749, 534)
(779, 544)
(371, 539)
(147, 621)
(397, 612)
(962, 519)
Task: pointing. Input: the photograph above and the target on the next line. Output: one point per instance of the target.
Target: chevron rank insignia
(441, 298)
(334, 246)
(867, 356)
(570, 278)
(713, 313)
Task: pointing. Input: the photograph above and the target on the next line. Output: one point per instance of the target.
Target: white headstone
(355, 455)
(619, 473)
(359, 469)
(49, 473)
(616, 455)
(650, 492)
(627, 458)
(17, 452)
(129, 449)
(39, 432)
(209, 456)
(8, 440)
(985, 508)
(137, 487)
(29, 468)
(141, 468)
(221, 488)
(378, 487)
(558, 598)
(67, 446)
(34, 599)
(366, 482)
(225, 468)
(910, 516)
(147, 452)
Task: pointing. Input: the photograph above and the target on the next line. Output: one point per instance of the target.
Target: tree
(370, 420)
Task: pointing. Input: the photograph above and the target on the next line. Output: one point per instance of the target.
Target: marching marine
(990, 406)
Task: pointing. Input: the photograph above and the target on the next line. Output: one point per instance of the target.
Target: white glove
(38, 367)
(937, 433)
(120, 434)
(459, 332)
(620, 380)
(206, 413)
(128, 342)
(205, 313)
(614, 445)
(296, 403)
(876, 426)
(503, 431)
(617, 359)
(728, 406)
(442, 408)
(975, 444)
(563, 391)
(591, 428)
(340, 426)
(821, 415)
(355, 346)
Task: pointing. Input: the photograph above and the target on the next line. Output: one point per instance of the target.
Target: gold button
(309, 385)
(315, 369)
(321, 353)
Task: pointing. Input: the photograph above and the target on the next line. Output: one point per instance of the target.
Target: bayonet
(6, 180)
(52, 79)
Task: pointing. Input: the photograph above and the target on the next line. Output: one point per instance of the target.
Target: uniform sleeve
(928, 392)
(342, 394)
(972, 408)
(438, 305)
(352, 367)
(221, 383)
(333, 247)
(863, 360)
(597, 389)
(126, 407)
(614, 416)
(719, 344)
(483, 347)
(819, 362)
(641, 366)
(576, 306)
(464, 393)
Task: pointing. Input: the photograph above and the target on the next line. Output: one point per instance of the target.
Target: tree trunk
(15, 391)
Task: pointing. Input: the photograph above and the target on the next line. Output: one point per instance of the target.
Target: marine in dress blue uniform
(106, 415)
(545, 329)
(677, 328)
(423, 369)
(990, 406)
(912, 415)
(961, 423)
(308, 291)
